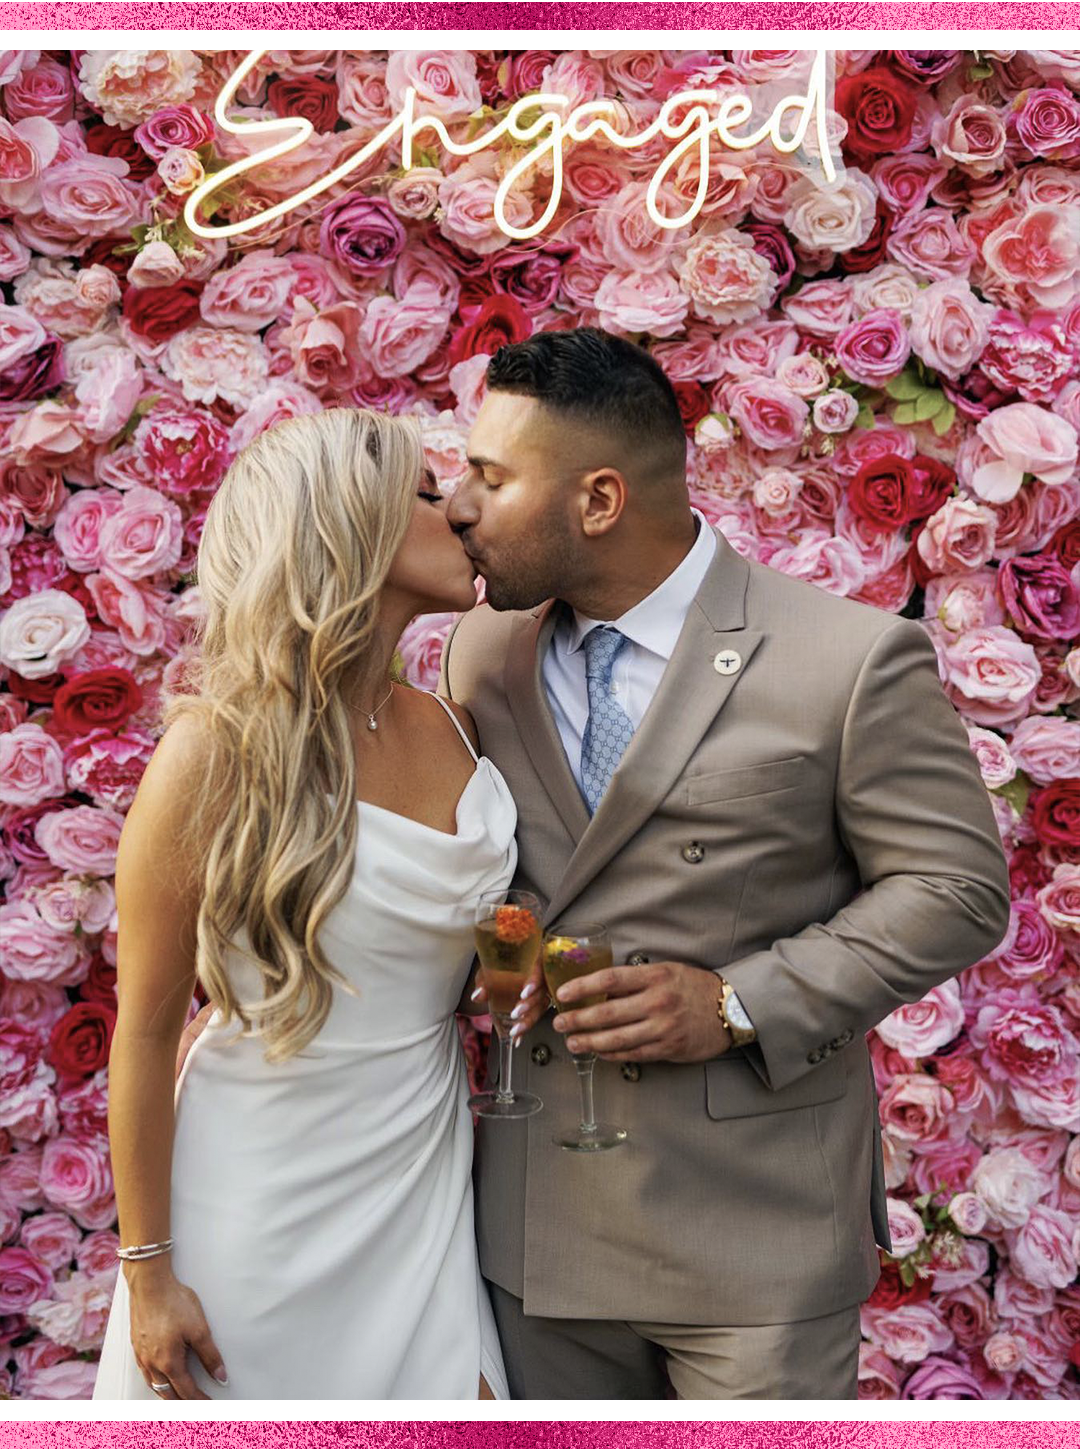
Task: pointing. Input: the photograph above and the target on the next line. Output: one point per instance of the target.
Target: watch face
(736, 1013)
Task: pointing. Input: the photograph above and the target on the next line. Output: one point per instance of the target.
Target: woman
(309, 839)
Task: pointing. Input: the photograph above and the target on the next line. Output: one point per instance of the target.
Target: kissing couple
(759, 787)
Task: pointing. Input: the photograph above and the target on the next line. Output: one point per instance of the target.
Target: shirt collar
(656, 621)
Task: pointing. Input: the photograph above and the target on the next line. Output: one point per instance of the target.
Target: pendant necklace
(372, 723)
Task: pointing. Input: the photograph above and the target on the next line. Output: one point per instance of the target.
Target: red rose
(1066, 544)
(99, 984)
(872, 251)
(890, 1290)
(79, 1042)
(37, 692)
(475, 291)
(158, 313)
(881, 492)
(932, 482)
(693, 402)
(101, 252)
(312, 97)
(107, 140)
(879, 108)
(98, 697)
(499, 320)
(1027, 872)
(1056, 813)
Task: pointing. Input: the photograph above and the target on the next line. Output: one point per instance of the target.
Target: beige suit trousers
(611, 1359)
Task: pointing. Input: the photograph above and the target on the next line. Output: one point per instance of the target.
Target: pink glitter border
(972, 15)
(478, 15)
(496, 1434)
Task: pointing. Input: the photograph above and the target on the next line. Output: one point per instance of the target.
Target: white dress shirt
(652, 627)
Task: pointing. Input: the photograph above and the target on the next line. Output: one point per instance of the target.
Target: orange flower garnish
(514, 924)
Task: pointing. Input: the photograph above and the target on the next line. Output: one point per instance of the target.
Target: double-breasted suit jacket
(799, 808)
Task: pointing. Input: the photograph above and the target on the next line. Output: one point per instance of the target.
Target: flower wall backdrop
(880, 382)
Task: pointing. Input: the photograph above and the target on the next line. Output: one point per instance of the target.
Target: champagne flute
(577, 950)
(508, 936)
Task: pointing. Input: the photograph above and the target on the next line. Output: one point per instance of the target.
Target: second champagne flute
(571, 950)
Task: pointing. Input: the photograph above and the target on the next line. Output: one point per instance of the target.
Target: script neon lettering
(548, 132)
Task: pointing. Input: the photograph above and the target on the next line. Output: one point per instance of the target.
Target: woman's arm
(157, 898)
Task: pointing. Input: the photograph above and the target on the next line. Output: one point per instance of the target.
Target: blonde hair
(297, 544)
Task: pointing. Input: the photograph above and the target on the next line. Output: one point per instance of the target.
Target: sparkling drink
(508, 937)
(507, 944)
(570, 951)
(566, 957)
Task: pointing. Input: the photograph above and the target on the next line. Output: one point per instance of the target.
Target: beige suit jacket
(812, 822)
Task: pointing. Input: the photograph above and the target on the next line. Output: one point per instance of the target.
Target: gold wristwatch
(733, 1015)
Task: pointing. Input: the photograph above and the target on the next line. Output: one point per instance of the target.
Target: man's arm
(915, 815)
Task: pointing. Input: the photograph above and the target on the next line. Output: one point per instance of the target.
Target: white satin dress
(322, 1208)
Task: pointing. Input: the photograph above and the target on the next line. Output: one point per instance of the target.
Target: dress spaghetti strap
(457, 726)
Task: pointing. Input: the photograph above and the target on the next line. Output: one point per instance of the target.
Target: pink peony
(725, 278)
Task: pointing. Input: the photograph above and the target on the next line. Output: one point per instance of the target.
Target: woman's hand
(531, 1006)
(167, 1319)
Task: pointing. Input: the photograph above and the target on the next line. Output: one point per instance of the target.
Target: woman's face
(431, 568)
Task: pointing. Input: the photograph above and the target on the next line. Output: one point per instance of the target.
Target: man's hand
(190, 1032)
(662, 1012)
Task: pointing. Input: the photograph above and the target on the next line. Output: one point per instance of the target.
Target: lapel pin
(727, 662)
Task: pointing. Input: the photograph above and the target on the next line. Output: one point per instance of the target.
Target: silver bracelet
(145, 1251)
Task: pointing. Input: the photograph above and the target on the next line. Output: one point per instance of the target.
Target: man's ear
(604, 493)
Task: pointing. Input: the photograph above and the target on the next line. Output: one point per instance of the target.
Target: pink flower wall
(880, 383)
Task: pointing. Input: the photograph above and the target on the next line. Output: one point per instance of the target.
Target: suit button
(631, 1072)
(637, 959)
(694, 852)
(541, 1054)
(815, 1055)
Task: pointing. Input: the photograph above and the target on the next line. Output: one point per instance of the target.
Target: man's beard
(514, 592)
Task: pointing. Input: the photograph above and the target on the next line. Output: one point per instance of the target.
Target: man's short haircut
(599, 378)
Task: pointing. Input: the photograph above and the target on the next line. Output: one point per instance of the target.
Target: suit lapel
(536, 727)
(690, 694)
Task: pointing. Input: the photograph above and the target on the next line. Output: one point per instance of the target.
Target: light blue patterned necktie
(608, 728)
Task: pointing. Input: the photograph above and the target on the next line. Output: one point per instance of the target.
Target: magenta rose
(361, 233)
(874, 348)
(23, 1280)
(76, 1176)
(181, 125)
(1041, 597)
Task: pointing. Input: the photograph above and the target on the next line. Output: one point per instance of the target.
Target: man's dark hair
(599, 378)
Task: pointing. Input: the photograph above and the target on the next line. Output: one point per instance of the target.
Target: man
(763, 792)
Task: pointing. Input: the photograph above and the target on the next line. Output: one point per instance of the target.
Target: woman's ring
(157, 1388)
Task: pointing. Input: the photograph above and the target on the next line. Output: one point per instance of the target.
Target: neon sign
(548, 131)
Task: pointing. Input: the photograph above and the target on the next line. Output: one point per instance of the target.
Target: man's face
(513, 510)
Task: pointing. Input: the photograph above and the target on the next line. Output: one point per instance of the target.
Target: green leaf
(1016, 792)
(903, 388)
(943, 420)
(904, 413)
(907, 1274)
(864, 418)
(927, 404)
(980, 72)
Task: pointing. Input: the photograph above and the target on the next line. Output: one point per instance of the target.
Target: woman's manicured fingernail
(475, 995)
(528, 989)
(518, 1010)
(517, 1029)
(220, 1375)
